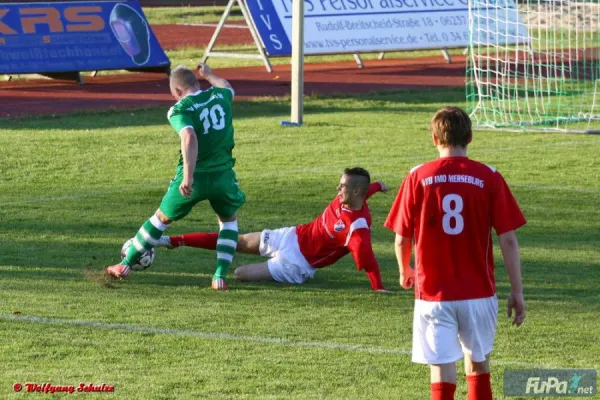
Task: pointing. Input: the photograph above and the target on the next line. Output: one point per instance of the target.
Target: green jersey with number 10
(209, 113)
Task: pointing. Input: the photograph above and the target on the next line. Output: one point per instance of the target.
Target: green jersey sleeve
(179, 119)
(226, 92)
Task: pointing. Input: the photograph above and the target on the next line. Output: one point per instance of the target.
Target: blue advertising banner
(270, 27)
(355, 26)
(76, 36)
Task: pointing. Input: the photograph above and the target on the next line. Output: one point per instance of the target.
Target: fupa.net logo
(553, 385)
(547, 383)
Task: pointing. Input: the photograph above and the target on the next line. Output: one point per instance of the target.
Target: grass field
(74, 188)
(190, 15)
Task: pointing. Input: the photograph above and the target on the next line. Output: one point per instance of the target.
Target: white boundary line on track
(237, 338)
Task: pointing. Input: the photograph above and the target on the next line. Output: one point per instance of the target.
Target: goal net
(534, 65)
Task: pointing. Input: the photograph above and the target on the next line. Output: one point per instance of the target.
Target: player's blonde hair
(183, 77)
(452, 127)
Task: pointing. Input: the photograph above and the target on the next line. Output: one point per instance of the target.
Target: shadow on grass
(194, 267)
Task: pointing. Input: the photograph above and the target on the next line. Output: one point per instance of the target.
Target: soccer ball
(145, 260)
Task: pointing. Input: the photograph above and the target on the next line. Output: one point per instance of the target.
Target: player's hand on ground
(516, 302)
(384, 187)
(186, 187)
(407, 278)
(204, 70)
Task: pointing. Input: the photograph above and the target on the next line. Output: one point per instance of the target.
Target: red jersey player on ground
(448, 207)
(295, 253)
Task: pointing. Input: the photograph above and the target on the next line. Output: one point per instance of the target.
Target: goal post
(534, 65)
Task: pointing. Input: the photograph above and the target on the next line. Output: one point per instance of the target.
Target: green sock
(226, 244)
(145, 239)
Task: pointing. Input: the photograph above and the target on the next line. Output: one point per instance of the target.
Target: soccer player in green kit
(203, 120)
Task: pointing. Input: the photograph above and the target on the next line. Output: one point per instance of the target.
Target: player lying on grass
(295, 253)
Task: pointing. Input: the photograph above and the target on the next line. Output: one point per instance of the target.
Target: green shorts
(220, 188)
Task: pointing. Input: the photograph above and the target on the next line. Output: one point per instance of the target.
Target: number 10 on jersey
(212, 118)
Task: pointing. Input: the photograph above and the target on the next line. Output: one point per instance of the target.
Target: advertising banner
(76, 36)
(359, 26)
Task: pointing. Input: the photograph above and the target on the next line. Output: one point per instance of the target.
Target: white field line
(203, 335)
(237, 338)
(375, 174)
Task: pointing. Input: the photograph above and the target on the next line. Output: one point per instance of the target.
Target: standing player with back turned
(448, 207)
(203, 120)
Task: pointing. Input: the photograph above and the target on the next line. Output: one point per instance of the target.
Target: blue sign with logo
(77, 36)
(270, 27)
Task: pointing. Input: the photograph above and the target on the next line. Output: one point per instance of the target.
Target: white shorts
(444, 330)
(286, 263)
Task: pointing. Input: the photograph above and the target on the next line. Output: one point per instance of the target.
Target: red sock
(442, 391)
(203, 240)
(479, 387)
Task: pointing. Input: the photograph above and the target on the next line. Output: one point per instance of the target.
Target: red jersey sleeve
(400, 217)
(506, 214)
(373, 188)
(362, 252)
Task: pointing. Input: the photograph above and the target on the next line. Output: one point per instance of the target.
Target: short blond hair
(452, 127)
(183, 77)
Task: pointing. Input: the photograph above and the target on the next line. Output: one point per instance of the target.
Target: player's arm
(512, 260)
(401, 221)
(189, 151)
(206, 72)
(364, 258)
(403, 249)
(375, 187)
(506, 218)
(183, 125)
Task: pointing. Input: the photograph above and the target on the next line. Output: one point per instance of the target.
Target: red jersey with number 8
(449, 206)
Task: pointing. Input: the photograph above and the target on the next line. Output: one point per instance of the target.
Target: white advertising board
(358, 26)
